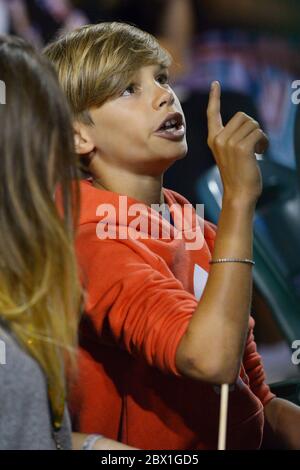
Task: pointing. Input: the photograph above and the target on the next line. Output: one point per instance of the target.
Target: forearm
(177, 29)
(214, 341)
(284, 419)
(101, 444)
(177, 23)
(21, 22)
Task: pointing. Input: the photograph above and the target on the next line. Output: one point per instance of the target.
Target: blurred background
(252, 48)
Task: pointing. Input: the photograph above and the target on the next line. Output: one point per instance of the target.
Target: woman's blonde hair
(39, 286)
(96, 62)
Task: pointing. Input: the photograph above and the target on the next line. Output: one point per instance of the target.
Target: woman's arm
(101, 444)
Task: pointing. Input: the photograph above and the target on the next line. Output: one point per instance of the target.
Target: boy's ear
(82, 139)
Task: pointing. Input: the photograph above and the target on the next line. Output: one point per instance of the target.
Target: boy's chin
(175, 150)
(183, 154)
(169, 159)
(178, 155)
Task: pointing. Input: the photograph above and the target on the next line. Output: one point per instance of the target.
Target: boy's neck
(144, 188)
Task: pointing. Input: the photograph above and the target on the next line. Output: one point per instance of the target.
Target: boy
(150, 353)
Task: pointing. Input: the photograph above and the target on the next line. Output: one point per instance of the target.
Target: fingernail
(214, 84)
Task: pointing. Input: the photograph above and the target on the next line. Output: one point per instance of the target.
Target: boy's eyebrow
(161, 68)
(158, 68)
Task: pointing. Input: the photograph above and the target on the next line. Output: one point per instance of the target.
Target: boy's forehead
(152, 68)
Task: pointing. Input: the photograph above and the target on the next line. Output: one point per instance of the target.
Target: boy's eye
(163, 79)
(129, 90)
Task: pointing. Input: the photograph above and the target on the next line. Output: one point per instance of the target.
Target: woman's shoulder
(20, 374)
(25, 421)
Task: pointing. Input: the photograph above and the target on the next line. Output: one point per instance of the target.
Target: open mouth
(172, 127)
(172, 122)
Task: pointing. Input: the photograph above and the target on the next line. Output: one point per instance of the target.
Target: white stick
(223, 417)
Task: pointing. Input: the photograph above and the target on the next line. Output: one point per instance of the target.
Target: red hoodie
(141, 294)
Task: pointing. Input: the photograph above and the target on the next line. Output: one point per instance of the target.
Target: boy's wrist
(239, 202)
(238, 208)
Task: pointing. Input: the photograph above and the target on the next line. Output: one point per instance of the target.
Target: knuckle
(241, 114)
(241, 146)
(231, 144)
(218, 141)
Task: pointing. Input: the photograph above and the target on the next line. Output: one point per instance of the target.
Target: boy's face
(127, 131)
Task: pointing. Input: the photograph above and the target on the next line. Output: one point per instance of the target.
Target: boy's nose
(162, 98)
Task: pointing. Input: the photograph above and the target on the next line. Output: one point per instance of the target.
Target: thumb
(262, 145)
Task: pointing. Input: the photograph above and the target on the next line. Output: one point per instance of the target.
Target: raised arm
(212, 348)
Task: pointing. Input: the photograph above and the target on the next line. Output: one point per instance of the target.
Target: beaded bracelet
(233, 260)
(90, 441)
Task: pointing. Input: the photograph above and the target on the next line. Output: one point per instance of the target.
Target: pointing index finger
(214, 119)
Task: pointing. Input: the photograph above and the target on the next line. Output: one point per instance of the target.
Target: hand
(283, 418)
(234, 147)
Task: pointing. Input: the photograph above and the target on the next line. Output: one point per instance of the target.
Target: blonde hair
(40, 291)
(96, 62)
